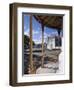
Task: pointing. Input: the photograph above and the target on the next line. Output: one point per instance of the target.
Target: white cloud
(24, 27)
(54, 33)
(35, 32)
(45, 34)
(37, 40)
(26, 32)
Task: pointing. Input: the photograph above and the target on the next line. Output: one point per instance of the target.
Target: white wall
(51, 43)
(4, 46)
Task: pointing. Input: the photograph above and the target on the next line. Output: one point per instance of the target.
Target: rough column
(31, 58)
(42, 63)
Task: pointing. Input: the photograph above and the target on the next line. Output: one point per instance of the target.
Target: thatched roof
(50, 21)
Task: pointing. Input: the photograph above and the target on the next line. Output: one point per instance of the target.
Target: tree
(27, 41)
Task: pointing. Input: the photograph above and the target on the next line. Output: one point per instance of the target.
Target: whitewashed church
(54, 42)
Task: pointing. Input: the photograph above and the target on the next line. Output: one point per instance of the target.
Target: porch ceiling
(50, 21)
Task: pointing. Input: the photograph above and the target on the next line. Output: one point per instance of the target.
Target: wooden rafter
(50, 21)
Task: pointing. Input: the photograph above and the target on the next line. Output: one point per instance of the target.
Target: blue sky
(36, 27)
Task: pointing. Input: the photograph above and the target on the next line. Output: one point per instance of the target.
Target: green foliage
(27, 41)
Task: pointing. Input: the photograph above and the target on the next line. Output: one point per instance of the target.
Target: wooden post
(31, 58)
(42, 64)
(59, 32)
(59, 37)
